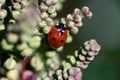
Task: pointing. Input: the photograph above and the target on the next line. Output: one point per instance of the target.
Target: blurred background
(105, 28)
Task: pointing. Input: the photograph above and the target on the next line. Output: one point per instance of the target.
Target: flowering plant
(25, 51)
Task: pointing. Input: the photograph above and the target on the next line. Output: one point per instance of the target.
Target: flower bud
(13, 74)
(27, 52)
(69, 39)
(36, 63)
(69, 17)
(24, 3)
(81, 65)
(79, 24)
(43, 6)
(46, 29)
(77, 18)
(81, 57)
(77, 11)
(70, 24)
(22, 46)
(2, 27)
(66, 65)
(49, 21)
(12, 38)
(89, 15)
(74, 30)
(51, 2)
(59, 6)
(85, 9)
(17, 6)
(16, 14)
(63, 20)
(54, 14)
(44, 15)
(3, 13)
(34, 42)
(6, 46)
(60, 49)
(10, 63)
(51, 9)
(42, 23)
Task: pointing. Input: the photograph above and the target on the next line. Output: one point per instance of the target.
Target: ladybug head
(61, 26)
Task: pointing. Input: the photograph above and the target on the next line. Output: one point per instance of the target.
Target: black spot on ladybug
(62, 41)
(53, 39)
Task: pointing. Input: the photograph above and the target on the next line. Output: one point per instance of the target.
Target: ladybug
(57, 35)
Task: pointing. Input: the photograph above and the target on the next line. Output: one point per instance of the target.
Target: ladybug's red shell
(57, 39)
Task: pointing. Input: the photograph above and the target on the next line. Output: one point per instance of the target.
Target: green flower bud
(36, 63)
(50, 53)
(25, 37)
(71, 24)
(46, 29)
(10, 63)
(59, 6)
(16, 14)
(44, 15)
(3, 13)
(22, 46)
(6, 46)
(43, 6)
(81, 57)
(54, 14)
(63, 20)
(69, 39)
(51, 9)
(72, 60)
(60, 49)
(35, 42)
(42, 23)
(27, 52)
(66, 65)
(13, 74)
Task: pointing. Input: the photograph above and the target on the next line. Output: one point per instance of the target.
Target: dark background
(105, 28)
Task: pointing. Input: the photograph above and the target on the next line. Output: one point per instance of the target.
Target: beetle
(57, 35)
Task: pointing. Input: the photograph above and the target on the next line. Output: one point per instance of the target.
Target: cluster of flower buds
(85, 55)
(71, 68)
(20, 34)
(37, 63)
(72, 73)
(86, 12)
(17, 7)
(47, 9)
(52, 61)
(25, 25)
(74, 20)
(3, 14)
